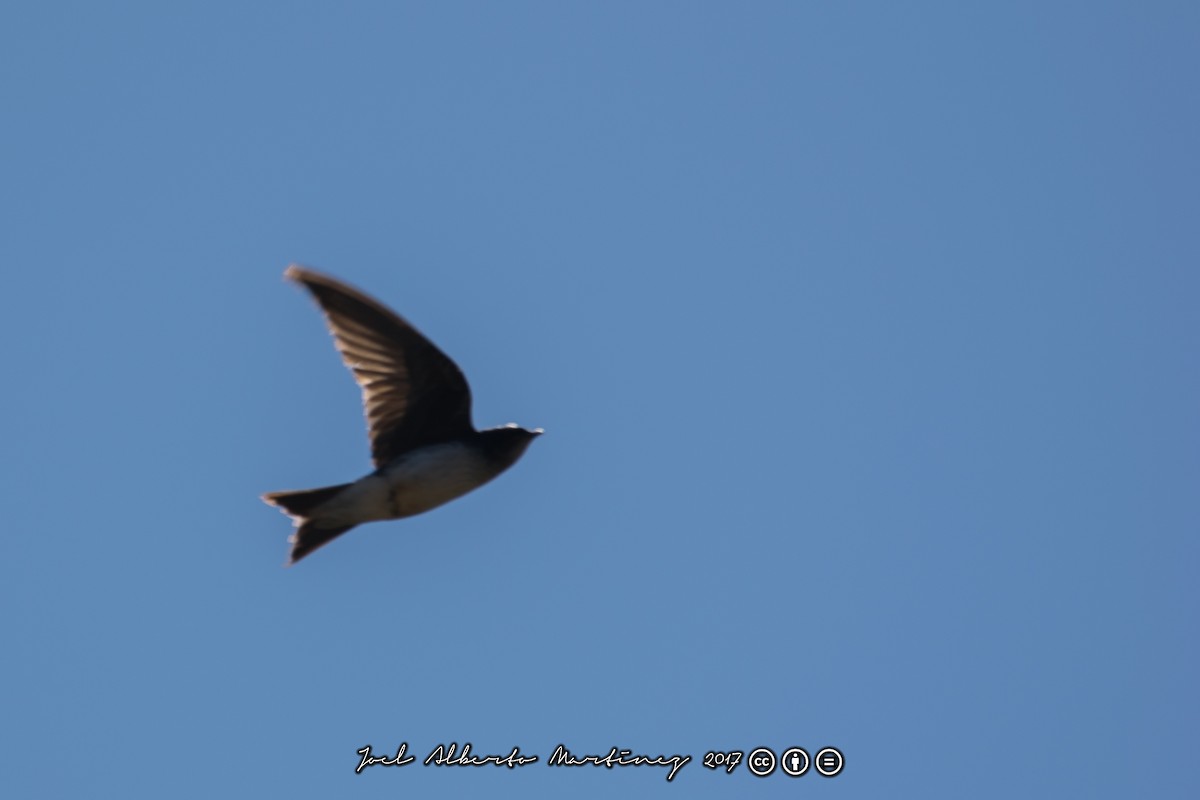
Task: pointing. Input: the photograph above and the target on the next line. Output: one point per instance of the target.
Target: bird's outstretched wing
(413, 394)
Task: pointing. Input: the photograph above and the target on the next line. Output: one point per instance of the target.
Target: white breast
(431, 476)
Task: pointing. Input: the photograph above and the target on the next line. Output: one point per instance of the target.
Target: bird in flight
(425, 448)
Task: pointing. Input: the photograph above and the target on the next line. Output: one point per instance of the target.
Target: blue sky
(864, 335)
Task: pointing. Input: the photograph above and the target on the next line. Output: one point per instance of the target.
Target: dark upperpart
(506, 444)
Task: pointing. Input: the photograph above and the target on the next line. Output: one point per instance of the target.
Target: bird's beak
(538, 431)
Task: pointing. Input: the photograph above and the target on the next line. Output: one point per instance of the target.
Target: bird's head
(508, 443)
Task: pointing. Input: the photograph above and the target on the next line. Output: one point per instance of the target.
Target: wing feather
(413, 394)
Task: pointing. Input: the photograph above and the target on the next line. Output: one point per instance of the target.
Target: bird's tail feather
(299, 505)
(309, 536)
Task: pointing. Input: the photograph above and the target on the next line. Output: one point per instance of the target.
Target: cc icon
(761, 762)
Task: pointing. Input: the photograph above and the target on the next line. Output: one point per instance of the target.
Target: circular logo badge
(794, 761)
(761, 762)
(829, 762)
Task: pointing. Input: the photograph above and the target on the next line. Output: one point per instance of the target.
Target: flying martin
(418, 407)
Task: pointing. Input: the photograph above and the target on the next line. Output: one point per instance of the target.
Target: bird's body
(416, 482)
(425, 448)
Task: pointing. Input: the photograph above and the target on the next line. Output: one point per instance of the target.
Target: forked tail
(300, 505)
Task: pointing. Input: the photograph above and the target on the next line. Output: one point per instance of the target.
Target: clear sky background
(864, 335)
